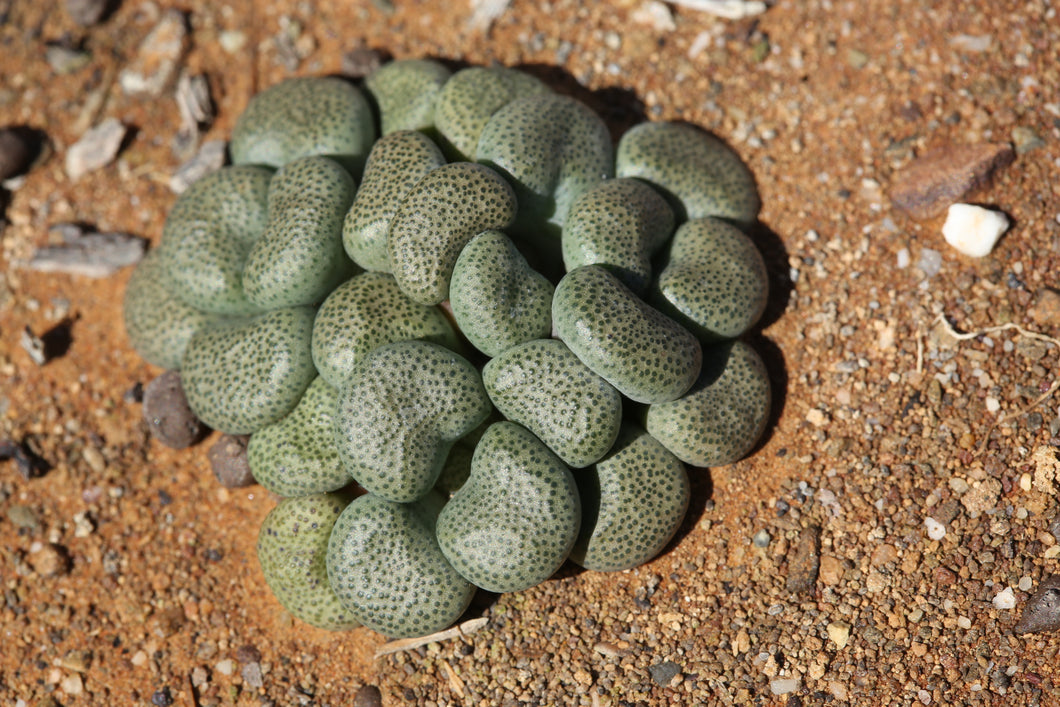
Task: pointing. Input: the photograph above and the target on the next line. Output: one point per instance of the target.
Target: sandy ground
(803, 575)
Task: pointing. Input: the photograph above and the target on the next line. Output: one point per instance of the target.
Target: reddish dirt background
(129, 574)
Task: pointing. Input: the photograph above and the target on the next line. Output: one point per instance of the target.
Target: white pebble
(973, 230)
(226, 666)
(903, 258)
(964, 622)
(1026, 583)
(935, 529)
(924, 696)
(1005, 599)
(993, 404)
(782, 686)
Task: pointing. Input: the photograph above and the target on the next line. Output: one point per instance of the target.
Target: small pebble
(162, 698)
(228, 459)
(1025, 583)
(805, 562)
(34, 346)
(199, 676)
(368, 696)
(973, 230)
(360, 62)
(839, 633)
(935, 530)
(49, 560)
(226, 666)
(96, 148)
(22, 516)
(902, 258)
(155, 63)
(1026, 139)
(1005, 599)
(72, 685)
(88, 253)
(663, 673)
(251, 673)
(1046, 308)
(930, 262)
(209, 159)
(782, 686)
(762, 538)
(232, 40)
(87, 12)
(168, 416)
(65, 59)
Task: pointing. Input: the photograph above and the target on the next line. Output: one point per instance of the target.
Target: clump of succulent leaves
(469, 336)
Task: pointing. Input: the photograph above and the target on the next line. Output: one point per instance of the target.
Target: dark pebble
(805, 561)
(162, 698)
(168, 416)
(228, 459)
(368, 696)
(88, 12)
(663, 673)
(1041, 613)
(248, 654)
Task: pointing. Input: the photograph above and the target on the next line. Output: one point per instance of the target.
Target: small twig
(993, 330)
(406, 644)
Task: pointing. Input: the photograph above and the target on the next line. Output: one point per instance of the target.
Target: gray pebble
(228, 459)
(166, 411)
(96, 148)
(663, 673)
(89, 253)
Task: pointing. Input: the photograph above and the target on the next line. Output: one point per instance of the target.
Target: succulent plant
(331, 322)
(385, 566)
(635, 499)
(608, 327)
(513, 523)
(292, 552)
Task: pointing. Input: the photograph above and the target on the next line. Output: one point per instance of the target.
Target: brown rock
(1046, 308)
(928, 185)
(228, 459)
(831, 570)
(944, 577)
(167, 413)
(805, 561)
